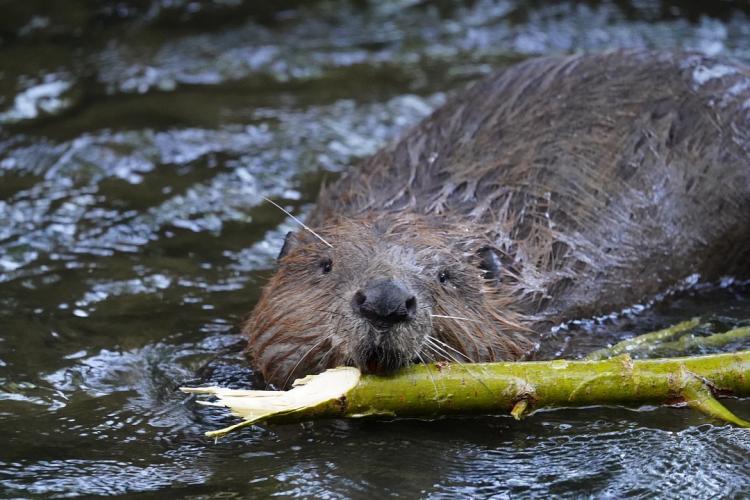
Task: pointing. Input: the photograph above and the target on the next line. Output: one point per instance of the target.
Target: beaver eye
(443, 276)
(326, 265)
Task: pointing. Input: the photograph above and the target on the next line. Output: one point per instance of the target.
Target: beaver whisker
(324, 356)
(295, 219)
(466, 334)
(435, 339)
(429, 354)
(316, 344)
(429, 373)
(437, 354)
(442, 352)
(466, 366)
(460, 318)
(336, 330)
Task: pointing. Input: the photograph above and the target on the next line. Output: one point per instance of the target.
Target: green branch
(689, 342)
(492, 388)
(643, 342)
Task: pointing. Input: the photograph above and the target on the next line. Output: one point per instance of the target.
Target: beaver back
(608, 177)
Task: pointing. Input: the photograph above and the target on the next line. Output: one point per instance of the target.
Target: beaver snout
(385, 302)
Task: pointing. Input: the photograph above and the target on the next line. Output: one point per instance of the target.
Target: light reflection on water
(133, 160)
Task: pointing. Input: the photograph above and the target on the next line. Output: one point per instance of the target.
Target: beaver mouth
(376, 364)
(382, 359)
(385, 347)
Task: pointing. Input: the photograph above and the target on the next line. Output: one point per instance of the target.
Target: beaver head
(381, 292)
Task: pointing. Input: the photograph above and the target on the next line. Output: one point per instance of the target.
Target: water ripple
(137, 139)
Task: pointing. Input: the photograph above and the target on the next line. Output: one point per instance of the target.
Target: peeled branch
(496, 388)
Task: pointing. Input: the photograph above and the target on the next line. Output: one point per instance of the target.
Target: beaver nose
(385, 302)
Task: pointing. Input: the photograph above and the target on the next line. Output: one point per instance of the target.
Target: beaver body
(555, 189)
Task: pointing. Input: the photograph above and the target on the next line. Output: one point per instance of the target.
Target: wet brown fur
(598, 181)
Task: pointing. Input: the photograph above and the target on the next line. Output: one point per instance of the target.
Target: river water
(137, 139)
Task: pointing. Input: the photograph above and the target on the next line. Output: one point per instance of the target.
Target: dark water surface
(137, 139)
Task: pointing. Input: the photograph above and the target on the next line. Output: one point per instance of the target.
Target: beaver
(557, 188)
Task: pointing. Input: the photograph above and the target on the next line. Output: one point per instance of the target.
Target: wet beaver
(557, 188)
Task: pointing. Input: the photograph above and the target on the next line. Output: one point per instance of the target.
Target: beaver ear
(291, 240)
(490, 263)
(498, 265)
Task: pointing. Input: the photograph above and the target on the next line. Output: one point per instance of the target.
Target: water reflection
(137, 140)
